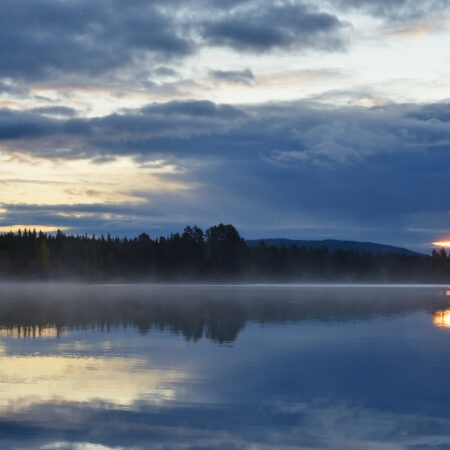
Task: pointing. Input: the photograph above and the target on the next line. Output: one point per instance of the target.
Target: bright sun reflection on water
(441, 318)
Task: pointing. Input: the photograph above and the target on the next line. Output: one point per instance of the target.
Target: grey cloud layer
(43, 38)
(287, 131)
(46, 39)
(256, 28)
(378, 172)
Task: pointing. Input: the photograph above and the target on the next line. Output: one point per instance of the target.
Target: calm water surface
(224, 367)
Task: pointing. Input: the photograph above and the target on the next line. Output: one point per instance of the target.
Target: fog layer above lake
(217, 312)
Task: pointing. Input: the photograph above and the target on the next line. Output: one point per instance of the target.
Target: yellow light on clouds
(40, 181)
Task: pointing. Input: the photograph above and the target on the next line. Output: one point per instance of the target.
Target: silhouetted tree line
(217, 254)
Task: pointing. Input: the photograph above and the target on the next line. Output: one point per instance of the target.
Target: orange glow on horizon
(441, 319)
(442, 243)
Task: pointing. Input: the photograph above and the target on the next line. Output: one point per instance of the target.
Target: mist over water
(224, 366)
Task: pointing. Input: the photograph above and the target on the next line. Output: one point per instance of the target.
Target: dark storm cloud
(235, 76)
(194, 108)
(264, 26)
(25, 125)
(291, 133)
(46, 40)
(156, 124)
(43, 38)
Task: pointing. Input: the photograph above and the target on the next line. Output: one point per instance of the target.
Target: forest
(217, 254)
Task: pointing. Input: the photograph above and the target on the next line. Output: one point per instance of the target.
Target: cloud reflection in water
(265, 367)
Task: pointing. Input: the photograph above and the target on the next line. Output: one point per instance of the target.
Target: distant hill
(334, 244)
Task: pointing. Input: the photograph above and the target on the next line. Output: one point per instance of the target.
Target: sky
(306, 120)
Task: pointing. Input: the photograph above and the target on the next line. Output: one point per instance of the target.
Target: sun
(442, 243)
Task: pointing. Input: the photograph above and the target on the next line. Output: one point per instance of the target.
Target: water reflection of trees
(195, 312)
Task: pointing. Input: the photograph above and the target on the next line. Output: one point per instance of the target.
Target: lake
(224, 367)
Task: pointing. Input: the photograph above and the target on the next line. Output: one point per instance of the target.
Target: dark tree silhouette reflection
(212, 312)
